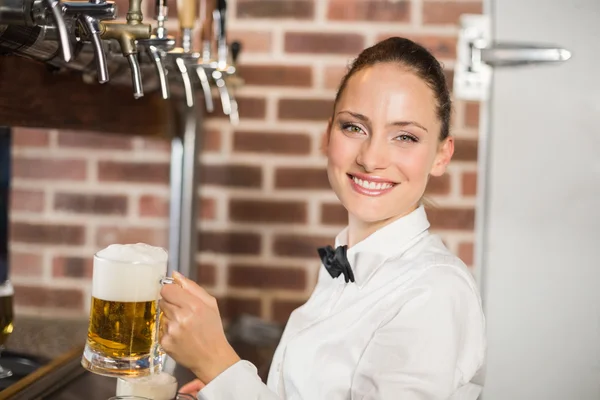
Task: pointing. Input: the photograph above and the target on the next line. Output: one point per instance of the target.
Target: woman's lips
(370, 186)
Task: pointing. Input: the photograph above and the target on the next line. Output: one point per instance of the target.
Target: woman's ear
(325, 138)
(443, 157)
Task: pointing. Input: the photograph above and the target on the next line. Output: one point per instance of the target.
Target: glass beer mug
(124, 313)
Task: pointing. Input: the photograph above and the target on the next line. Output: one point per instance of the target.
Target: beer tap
(88, 15)
(63, 34)
(158, 45)
(228, 102)
(127, 34)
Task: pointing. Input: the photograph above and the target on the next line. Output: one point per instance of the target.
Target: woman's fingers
(193, 288)
(192, 387)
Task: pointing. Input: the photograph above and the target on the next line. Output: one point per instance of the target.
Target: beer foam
(134, 253)
(129, 272)
(161, 386)
(6, 289)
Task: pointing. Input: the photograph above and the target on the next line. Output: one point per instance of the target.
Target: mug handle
(184, 396)
(157, 349)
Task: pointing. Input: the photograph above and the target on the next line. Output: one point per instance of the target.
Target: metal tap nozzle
(63, 34)
(127, 34)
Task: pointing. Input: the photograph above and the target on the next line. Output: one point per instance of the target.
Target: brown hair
(413, 57)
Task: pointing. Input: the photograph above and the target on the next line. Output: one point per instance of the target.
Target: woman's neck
(359, 230)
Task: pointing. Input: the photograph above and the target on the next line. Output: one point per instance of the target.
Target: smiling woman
(405, 319)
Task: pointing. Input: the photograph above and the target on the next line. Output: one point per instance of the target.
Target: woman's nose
(373, 155)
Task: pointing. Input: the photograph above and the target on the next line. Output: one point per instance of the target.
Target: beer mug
(124, 313)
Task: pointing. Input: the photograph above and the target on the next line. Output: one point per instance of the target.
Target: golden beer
(122, 333)
(6, 313)
(122, 329)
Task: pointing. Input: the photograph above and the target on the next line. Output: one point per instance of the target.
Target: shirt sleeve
(238, 382)
(429, 347)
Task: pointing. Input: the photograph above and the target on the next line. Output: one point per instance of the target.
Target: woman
(405, 319)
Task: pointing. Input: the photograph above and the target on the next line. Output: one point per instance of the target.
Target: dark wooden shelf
(33, 96)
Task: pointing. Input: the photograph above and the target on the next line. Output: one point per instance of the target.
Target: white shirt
(411, 327)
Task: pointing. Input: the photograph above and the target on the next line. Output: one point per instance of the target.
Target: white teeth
(371, 185)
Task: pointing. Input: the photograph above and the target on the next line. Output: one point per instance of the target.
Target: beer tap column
(127, 34)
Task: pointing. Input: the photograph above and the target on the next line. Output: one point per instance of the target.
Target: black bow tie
(336, 262)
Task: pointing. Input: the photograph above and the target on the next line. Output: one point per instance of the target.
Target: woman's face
(383, 143)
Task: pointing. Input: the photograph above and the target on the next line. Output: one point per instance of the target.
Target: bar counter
(57, 345)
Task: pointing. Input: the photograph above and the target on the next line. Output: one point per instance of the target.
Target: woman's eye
(351, 128)
(407, 139)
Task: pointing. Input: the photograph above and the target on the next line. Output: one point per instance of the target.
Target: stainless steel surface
(538, 247)
(186, 40)
(187, 82)
(513, 54)
(13, 12)
(176, 190)
(156, 56)
(63, 35)
(92, 29)
(136, 76)
(205, 84)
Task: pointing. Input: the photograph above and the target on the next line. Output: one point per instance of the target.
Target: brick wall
(265, 200)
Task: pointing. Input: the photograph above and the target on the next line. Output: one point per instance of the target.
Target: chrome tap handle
(136, 76)
(187, 83)
(156, 56)
(63, 34)
(203, 77)
(92, 29)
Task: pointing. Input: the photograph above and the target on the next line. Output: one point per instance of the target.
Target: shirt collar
(392, 240)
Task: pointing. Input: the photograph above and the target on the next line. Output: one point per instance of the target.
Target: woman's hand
(192, 387)
(192, 331)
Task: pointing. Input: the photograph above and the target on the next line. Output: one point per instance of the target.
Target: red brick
(155, 144)
(333, 214)
(55, 169)
(438, 185)
(271, 143)
(299, 245)
(72, 267)
(25, 264)
(372, 10)
(465, 252)
(138, 172)
(153, 206)
(246, 276)
(248, 107)
(39, 296)
(116, 234)
(29, 137)
(158, 207)
(276, 9)
(452, 218)
(472, 114)
(305, 109)
(91, 203)
(448, 12)
(242, 176)
(301, 178)
(206, 274)
(469, 184)
(276, 75)
(439, 46)
(211, 140)
(251, 41)
(465, 150)
(334, 75)
(282, 308)
(231, 307)
(229, 243)
(323, 43)
(55, 234)
(93, 140)
(265, 211)
(26, 200)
